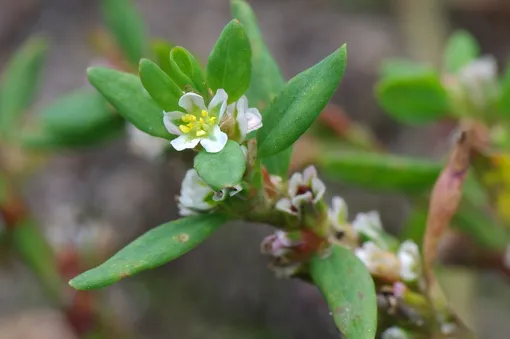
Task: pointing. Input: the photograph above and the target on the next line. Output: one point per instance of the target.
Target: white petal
(394, 333)
(168, 120)
(338, 213)
(318, 189)
(309, 174)
(301, 199)
(295, 181)
(215, 141)
(254, 119)
(234, 190)
(184, 211)
(219, 103)
(368, 224)
(184, 142)
(192, 102)
(409, 257)
(285, 205)
(242, 105)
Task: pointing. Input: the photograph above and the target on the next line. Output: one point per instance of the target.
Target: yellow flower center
(197, 126)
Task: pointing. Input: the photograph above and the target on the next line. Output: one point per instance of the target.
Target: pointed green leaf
(461, 49)
(414, 100)
(127, 26)
(19, 81)
(223, 169)
(154, 248)
(127, 94)
(186, 67)
(349, 291)
(267, 79)
(299, 103)
(161, 51)
(229, 65)
(381, 172)
(158, 84)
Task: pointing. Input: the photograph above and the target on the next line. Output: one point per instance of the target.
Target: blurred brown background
(222, 289)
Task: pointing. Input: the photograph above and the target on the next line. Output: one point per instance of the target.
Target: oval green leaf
(349, 291)
(229, 64)
(127, 94)
(127, 27)
(161, 50)
(299, 103)
(79, 114)
(155, 248)
(160, 86)
(19, 82)
(381, 172)
(417, 99)
(267, 80)
(461, 49)
(223, 169)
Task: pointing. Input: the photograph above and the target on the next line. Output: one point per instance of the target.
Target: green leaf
(19, 82)
(267, 80)
(30, 244)
(223, 169)
(413, 100)
(461, 49)
(229, 65)
(381, 172)
(161, 51)
(126, 93)
(403, 68)
(299, 103)
(504, 101)
(349, 291)
(154, 248)
(186, 67)
(159, 85)
(127, 26)
(81, 114)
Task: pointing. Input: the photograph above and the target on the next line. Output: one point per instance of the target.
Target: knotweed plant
(241, 121)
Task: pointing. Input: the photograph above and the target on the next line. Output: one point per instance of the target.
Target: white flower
(247, 119)
(143, 144)
(303, 188)
(394, 333)
(369, 224)
(197, 197)
(338, 212)
(479, 79)
(409, 257)
(199, 124)
(379, 262)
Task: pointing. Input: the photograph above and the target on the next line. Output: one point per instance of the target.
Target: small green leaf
(504, 101)
(159, 85)
(186, 67)
(126, 93)
(349, 291)
(403, 68)
(381, 172)
(223, 169)
(413, 100)
(30, 244)
(267, 80)
(19, 82)
(299, 103)
(127, 26)
(461, 49)
(155, 248)
(80, 114)
(161, 51)
(229, 65)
